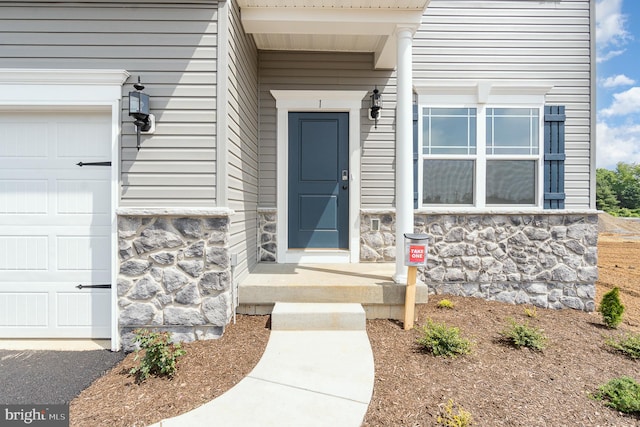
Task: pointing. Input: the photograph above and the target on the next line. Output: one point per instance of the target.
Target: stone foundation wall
(267, 226)
(174, 275)
(546, 259)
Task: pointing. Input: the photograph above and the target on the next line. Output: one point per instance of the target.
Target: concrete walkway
(317, 370)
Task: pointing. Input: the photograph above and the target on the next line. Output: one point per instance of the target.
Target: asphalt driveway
(50, 377)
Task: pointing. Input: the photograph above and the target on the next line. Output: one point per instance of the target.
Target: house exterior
(264, 152)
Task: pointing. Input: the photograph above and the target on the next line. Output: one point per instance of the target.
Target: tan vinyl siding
(242, 140)
(518, 41)
(330, 71)
(173, 47)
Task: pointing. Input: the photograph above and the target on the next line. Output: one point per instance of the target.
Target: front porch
(369, 284)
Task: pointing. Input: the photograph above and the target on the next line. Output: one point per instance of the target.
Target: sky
(618, 82)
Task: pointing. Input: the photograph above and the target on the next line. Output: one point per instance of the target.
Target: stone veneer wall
(267, 237)
(174, 274)
(548, 259)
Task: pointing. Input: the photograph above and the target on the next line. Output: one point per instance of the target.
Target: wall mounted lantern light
(376, 106)
(139, 109)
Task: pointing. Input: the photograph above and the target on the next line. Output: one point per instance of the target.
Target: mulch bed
(208, 369)
(498, 384)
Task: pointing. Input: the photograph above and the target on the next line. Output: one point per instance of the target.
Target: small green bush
(523, 335)
(611, 308)
(441, 340)
(160, 356)
(445, 303)
(454, 416)
(629, 345)
(621, 394)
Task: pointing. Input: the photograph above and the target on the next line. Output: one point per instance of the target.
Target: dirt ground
(497, 384)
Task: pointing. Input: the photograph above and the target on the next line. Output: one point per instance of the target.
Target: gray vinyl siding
(173, 47)
(330, 71)
(242, 143)
(518, 41)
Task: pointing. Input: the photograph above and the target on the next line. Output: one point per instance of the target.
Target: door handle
(344, 187)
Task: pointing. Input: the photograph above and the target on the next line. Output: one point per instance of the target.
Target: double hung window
(480, 156)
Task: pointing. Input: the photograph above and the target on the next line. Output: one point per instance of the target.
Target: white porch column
(404, 149)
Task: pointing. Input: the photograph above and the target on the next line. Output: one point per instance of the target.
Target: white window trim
(310, 100)
(75, 89)
(482, 95)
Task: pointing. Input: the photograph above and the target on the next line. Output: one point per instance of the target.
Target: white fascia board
(65, 88)
(271, 20)
(23, 76)
(482, 92)
(339, 4)
(317, 100)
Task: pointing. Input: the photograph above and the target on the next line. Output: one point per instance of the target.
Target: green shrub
(445, 303)
(622, 394)
(454, 416)
(441, 340)
(611, 308)
(523, 335)
(629, 345)
(160, 356)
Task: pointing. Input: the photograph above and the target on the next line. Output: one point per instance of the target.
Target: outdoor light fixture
(139, 109)
(376, 106)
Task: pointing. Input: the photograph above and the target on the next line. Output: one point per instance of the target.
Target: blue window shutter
(554, 157)
(415, 156)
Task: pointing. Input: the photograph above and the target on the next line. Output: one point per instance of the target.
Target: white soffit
(332, 25)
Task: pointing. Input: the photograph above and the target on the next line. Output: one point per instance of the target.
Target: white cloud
(627, 102)
(610, 28)
(619, 80)
(619, 144)
(602, 57)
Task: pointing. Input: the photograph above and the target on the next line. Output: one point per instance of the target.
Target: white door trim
(70, 89)
(312, 100)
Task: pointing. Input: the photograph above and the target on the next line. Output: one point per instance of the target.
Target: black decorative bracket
(81, 164)
(94, 286)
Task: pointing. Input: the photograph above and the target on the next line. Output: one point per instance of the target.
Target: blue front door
(318, 180)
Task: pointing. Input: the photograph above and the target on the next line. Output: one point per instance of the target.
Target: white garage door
(54, 225)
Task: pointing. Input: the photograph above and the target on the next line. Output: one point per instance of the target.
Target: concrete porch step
(367, 284)
(317, 317)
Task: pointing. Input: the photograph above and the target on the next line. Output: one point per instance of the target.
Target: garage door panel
(83, 309)
(87, 140)
(88, 253)
(20, 252)
(83, 196)
(24, 308)
(24, 139)
(55, 224)
(24, 196)
(27, 314)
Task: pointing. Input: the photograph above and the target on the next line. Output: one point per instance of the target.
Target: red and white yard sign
(416, 255)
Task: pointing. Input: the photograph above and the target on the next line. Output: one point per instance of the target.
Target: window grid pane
(512, 131)
(449, 131)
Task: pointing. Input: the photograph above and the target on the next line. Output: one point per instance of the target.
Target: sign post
(415, 256)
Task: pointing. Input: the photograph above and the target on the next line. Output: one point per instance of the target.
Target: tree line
(618, 191)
